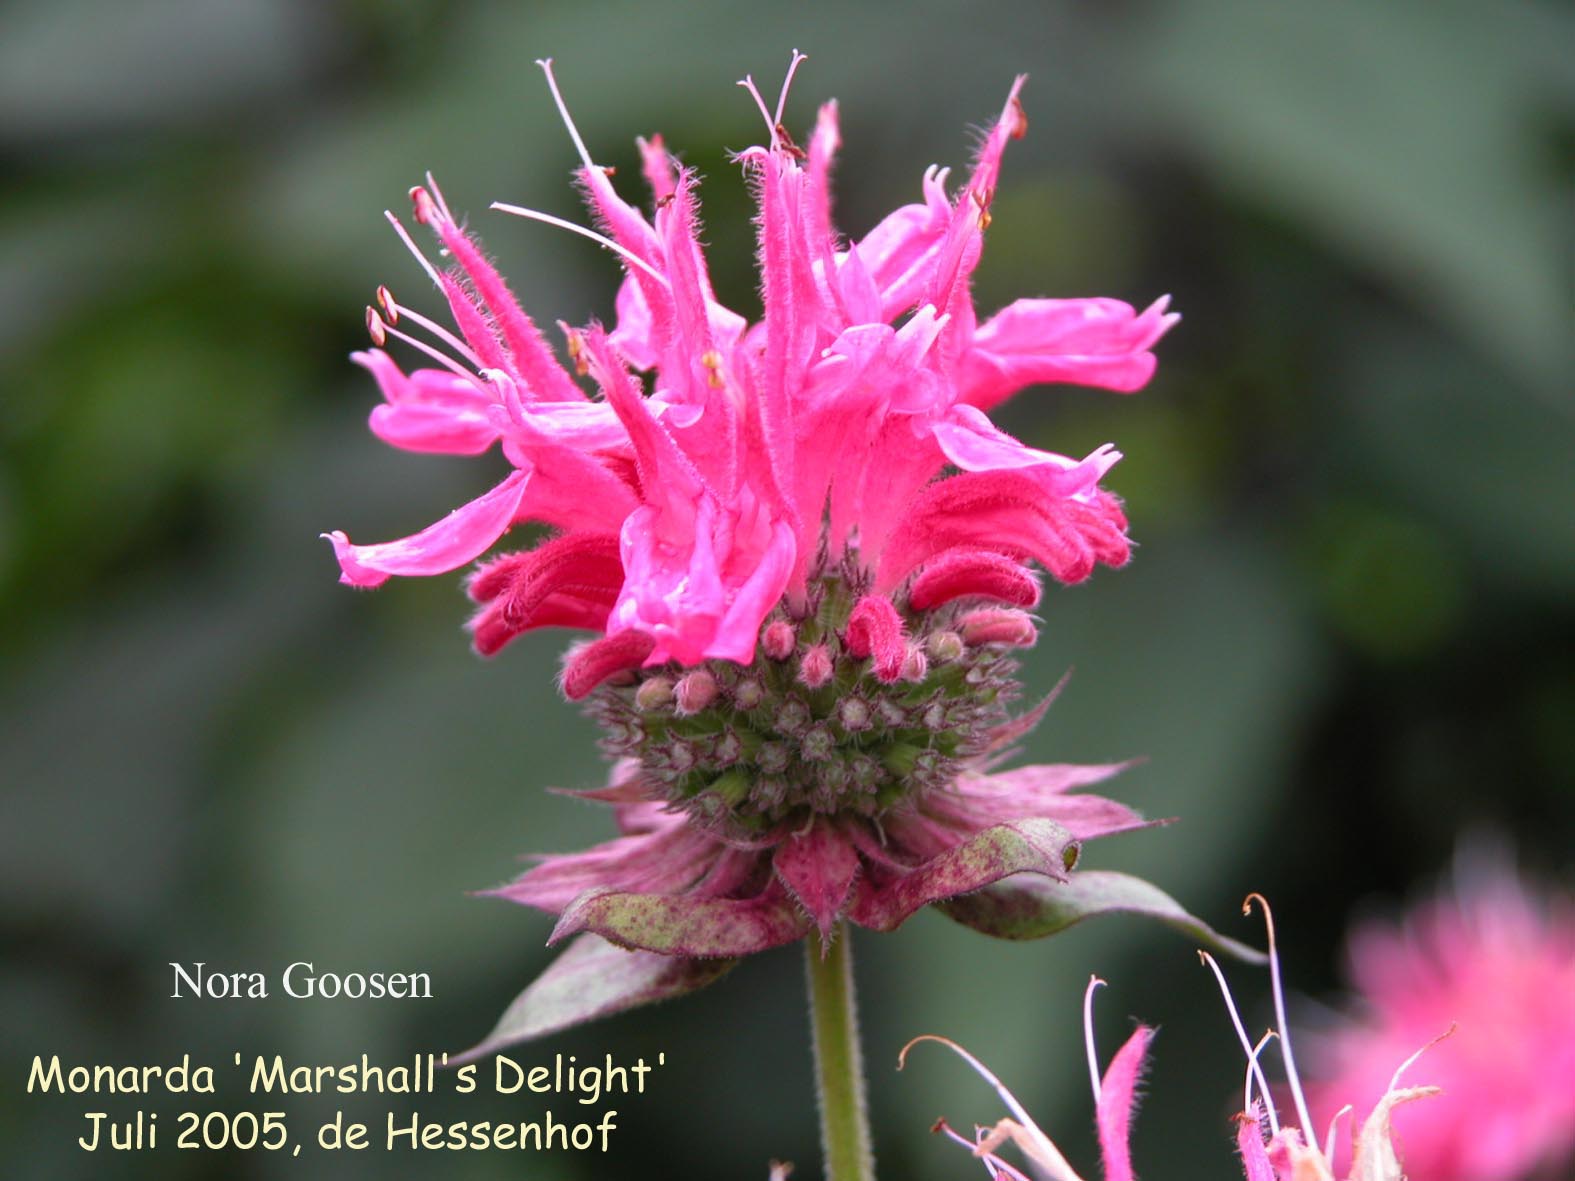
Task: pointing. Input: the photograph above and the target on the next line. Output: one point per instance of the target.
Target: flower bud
(778, 640)
(695, 692)
(816, 667)
(656, 693)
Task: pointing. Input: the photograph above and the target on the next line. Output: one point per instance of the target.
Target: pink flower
(804, 552)
(1115, 1099)
(1496, 959)
(758, 459)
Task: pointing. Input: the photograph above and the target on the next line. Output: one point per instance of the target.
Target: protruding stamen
(1253, 1068)
(601, 240)
(1094, 984)
(1334, 1130)
(380, 330)
(394, 311)
(552, 84)
(787, 82)
(437, 193)
(410, 245)
(1255, 1075)
(1394, 1083)
(1279, 1013)
(748, 83)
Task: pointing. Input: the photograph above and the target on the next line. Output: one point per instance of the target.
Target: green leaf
(1031, 907)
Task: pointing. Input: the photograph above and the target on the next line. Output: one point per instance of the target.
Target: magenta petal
(1249, 1141)
(818, 868)
(1031, 907)
(1096, 342)
(590, 980)
(686, 926)
(1117, 1097)
(462, 536)
(1024, 846)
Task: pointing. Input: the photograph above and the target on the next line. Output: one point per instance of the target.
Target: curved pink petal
(462, 536)
(1117, 1099)
(975, 444)
(1096, 342)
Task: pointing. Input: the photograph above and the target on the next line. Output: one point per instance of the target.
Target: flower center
(809, 728)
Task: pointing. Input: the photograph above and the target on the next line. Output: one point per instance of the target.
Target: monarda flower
(1494, 957)
(805, 554)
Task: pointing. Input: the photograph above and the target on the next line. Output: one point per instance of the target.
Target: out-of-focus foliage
(1345, 639)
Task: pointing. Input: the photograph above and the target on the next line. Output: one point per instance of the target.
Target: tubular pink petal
(974, 444)
(458, 538)
(1117, 1100)
(1249, 1142)
(686, 926)
(970, 573)
(536, 364)
(591, 664)
(875, 630)
(991, 625)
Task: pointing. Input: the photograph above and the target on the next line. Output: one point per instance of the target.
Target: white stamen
(786, 83)
(396, 310)
(748, 83)
(628, 255)
(437, 194)
(1394, 1083)
(1241, 1035)
(410, 245)
(1094, 984)
(1334, 1127)
(552, 84)
(1255, 1072)
(1279, 1015)
(442, 359)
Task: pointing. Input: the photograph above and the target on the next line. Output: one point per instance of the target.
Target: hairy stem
(839, 1065)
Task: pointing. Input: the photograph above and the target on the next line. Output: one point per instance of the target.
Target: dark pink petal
(818, 868)
(1031, 907)
(1117, 1099)
(970, 573)
(590, 980)
(687, 925)
(460, 537)
(575, 569)
(875, 630)
(1025, 846)
(590, 664)
(1249, 1142)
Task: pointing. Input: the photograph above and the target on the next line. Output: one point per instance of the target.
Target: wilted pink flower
(1115, 1099)
(771, 508)
(1496, 959)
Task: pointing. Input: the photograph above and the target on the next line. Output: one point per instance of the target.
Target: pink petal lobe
(818, 868)
(969, 573)
(458, 538)
(1094, 342)
(1117, 1099)
(591, 664)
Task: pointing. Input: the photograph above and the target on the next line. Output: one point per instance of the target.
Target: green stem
(839, 1066)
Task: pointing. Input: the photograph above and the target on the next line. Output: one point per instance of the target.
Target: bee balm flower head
(804, 554)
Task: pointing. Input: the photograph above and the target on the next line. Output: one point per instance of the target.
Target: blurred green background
(1345, 640)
